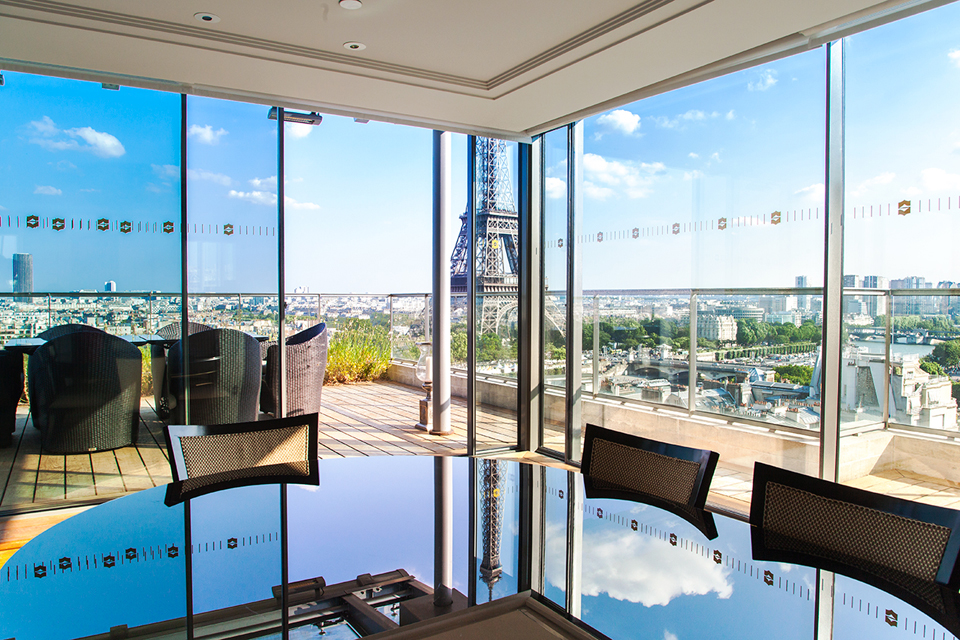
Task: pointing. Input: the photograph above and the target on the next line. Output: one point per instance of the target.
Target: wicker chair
(11, 389)
(224, 377)
(306, 363)
(85, 392)
(158, 365)
(64, 329)
(668, 476)
(868, 536)
(204, 459)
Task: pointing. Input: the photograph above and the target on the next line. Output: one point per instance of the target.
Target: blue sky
(736, 148)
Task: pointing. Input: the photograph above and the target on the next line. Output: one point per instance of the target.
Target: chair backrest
(64, 329)
(223, 375)
(204, 459)
(670, 472)
(806, 520)
(172, 331)
(306, 362)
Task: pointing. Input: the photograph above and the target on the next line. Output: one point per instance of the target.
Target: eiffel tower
(498, 264)
(491, 521)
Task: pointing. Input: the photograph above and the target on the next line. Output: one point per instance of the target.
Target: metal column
(281, 295)
(530, 374)
(833, 267)
(441, 284)
(443, 531)
(574, 294)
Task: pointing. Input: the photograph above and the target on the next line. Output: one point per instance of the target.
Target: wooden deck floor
(356, 420)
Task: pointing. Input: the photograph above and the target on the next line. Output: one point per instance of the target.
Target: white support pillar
(441, 283)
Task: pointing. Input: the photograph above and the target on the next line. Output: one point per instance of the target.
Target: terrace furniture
(64, 329)
(85, 392)
(11, 389)
(158, 364)
(222, 377)
(306, 363)
(204, 459)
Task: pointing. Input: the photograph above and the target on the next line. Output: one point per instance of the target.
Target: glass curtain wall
(496, 246)
(901, 268)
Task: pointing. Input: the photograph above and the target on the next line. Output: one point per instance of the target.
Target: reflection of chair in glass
(64, 329)
(306, 362)
(668, 476)
(158, 364)
(906, 548)
(11, 389)
(204, 459)
(85, 392)
(223, 375)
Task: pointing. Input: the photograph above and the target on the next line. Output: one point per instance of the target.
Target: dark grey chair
(904, 547)
(223, 377)
(668, 476)
(306, 363)
(204, 459)
(85, 392)
(158, 365)
(64, 329)
(11, 389)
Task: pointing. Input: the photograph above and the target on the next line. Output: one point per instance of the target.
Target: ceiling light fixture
(313, 117)
(209, 18)
(354, 46)
(351, 5)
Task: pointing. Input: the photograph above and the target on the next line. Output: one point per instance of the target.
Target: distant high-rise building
(109, 285)
(22, 273)
(803, 302)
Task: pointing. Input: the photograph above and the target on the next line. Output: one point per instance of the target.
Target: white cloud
(89, 190)
(813, 193)
(610, 174)
(690, 175)
(102, 144)
(2, 208)
(693, 155)
(265, 183)
(715, 156)
(47, 191)
(595, 192)
(692, 115)
(765, 80)
(256, 197)
(152, 188)
(669, 636)
(555, 188)
(865, 186)
(44, 127)
(638, 568)
(730, 115)
(621, 120)
(65, 165)
(206, 134)
(954, 56)
(290, 203)
(166, 171)
(940, 180)
(209, 176)
(297, 130)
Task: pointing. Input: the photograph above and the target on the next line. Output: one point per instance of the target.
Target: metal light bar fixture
(313, 118)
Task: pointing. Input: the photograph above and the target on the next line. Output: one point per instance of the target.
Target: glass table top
(628, 570)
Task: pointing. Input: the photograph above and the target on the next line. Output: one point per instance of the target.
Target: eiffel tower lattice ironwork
(491, 521)
(497, 261)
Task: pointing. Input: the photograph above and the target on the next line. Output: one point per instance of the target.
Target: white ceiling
(493, 67)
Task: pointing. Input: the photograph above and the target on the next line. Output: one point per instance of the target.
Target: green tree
(490, 348)
(946, 354)
(458, 347)
(932, 368)
(795, 373)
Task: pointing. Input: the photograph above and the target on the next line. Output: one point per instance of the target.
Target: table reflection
(360, 550)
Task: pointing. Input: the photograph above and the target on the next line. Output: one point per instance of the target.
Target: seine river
(876, 346)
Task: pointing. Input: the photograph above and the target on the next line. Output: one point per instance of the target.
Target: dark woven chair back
(204, 459)
(223, 376)
(859, 533)
(64, 329)
(85, 392)
(158, 365)
(306, 364)
(665, 471)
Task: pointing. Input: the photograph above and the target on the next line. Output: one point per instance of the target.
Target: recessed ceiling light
(350, 4)
(209, 18)
(354, 46)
